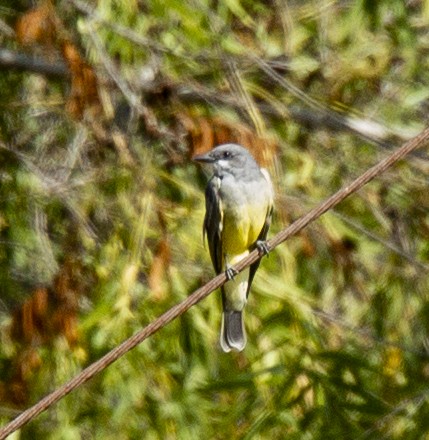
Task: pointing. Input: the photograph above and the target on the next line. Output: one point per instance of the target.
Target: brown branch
(216, 282)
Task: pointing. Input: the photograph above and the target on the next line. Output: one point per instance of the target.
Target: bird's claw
(262, 247)
(230, 273)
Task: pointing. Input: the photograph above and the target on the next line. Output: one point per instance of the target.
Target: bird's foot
(230, 272)
(262, 247)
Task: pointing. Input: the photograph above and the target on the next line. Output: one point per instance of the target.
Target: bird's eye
(226, 154)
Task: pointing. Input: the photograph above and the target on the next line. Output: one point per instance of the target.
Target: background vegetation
(103, 104)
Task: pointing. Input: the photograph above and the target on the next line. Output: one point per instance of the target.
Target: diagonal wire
(201, 293)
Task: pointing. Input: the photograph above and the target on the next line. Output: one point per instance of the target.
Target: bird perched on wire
(239, 204)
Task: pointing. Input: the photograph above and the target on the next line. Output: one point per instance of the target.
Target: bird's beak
(206, 158)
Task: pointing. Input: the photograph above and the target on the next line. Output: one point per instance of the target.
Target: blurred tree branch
(367, 129)
(31, 63)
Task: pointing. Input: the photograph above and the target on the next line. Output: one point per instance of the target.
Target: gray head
(229, 159)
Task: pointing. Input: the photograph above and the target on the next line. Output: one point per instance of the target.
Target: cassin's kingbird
(239, 204)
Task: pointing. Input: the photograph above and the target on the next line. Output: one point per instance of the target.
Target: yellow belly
(241, 229)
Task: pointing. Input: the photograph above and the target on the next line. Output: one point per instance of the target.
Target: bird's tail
(232, 334)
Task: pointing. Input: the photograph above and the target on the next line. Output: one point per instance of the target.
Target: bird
(239, 205)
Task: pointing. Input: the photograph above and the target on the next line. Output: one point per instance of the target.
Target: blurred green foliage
(338, 316)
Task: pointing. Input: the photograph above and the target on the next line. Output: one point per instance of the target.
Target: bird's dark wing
(213, 222)
(262, 237)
